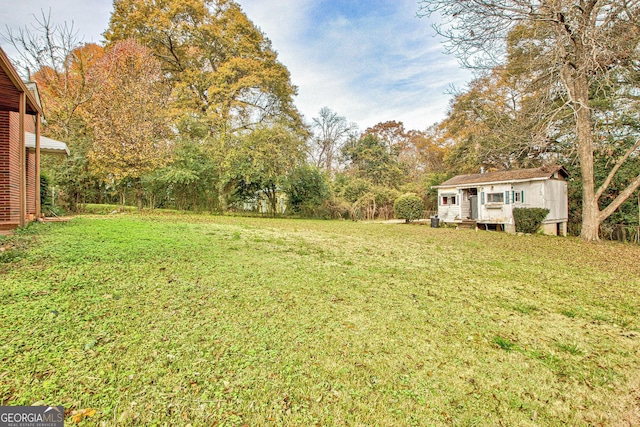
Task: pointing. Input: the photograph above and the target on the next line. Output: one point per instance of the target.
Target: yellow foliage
(221, 67)
(126, 112)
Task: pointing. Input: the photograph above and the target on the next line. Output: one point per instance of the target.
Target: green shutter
(482, 198)
(506, 197)
(522, 197)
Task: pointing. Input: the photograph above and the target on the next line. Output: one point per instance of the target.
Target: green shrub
(408, 207)
(45, 196)
(528, 220)
(350, 188)
(307, 191)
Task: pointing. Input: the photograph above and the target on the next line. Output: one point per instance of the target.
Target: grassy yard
(199, 320)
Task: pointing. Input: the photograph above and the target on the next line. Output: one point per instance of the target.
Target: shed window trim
(518, 196)
(448, 199)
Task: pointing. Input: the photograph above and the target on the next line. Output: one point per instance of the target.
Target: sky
(368, 60)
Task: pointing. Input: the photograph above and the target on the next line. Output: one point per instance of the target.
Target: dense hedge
(528, 220)
(408, 207)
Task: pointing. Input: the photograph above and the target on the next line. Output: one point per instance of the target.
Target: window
(495, 197)
(448, 200)
(518, 196)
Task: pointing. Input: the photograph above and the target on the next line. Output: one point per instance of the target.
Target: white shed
(487, 200)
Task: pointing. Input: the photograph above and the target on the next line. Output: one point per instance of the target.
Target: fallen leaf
(80, 414)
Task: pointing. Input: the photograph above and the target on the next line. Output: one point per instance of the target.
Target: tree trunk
(139, 194)
(329, 160)
(222, 196)
(576, 81)
(590, 208)
(273, 199)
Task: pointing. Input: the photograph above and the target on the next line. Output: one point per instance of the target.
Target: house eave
(32, 104)
(484, 184)
(47, 145)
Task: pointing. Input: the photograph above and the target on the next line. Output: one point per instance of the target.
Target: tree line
(186, 106)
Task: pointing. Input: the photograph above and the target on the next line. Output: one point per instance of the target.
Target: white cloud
(371, 65)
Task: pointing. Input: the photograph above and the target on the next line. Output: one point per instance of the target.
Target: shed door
(473, 200)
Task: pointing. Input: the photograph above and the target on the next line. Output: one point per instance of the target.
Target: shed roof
(47, 145)
(544, 172)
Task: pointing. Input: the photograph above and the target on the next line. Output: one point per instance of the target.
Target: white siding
(448, 213)
(533, 194)
(556, 200)
(549, 193)
(494, 212)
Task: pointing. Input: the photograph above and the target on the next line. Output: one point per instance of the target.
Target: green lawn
(200, 320)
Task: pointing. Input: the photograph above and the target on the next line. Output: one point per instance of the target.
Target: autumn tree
(222, 69)
(496, 125)
(425, 153)
(585, 43)
(392, 133)
(330, 133)
(127, 114)
(54, 56)
(417, 151)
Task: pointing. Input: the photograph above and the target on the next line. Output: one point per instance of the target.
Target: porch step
(57, 219)
(467, 224)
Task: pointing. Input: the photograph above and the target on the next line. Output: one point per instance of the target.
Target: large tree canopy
(222, 67)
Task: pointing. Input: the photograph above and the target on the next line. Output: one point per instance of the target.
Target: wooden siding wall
(5, 168)
(10, 168)
(19, 201)
(31, 183)
(14, 165)
(9, 96)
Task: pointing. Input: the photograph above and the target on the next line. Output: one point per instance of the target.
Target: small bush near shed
(408, 207)
(528, 220)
